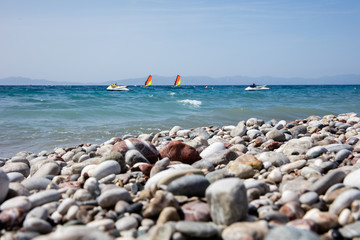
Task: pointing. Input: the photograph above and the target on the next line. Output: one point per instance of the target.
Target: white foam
(195, 103)
(172, 93)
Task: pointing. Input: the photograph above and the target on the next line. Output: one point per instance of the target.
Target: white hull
(257, 88)
(118, 88)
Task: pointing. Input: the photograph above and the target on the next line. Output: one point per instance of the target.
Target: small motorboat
(115, 87)
(254, 87)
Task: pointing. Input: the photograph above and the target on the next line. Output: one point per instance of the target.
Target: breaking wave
(194, 103)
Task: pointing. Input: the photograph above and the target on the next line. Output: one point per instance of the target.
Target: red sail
(148, 81)
(177, 81)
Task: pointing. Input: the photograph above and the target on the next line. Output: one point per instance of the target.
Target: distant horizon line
(158, 80)
(162, 85)
(205, 76)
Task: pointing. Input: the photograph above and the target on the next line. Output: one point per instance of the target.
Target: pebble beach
(252, 180)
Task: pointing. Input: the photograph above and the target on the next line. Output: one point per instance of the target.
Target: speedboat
(115, 87)
(254, 87)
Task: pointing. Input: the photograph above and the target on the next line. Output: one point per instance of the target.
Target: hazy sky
(92, 41)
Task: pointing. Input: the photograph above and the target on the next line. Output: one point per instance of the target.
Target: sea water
(36, 118)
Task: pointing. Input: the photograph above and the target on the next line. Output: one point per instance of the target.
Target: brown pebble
(168, 214)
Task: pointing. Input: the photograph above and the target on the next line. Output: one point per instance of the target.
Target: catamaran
(148, 81)
(177, 81)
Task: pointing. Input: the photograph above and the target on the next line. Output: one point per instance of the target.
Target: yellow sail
(177, 81)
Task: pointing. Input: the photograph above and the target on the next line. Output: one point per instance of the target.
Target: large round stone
(228, 201)
(179, 151)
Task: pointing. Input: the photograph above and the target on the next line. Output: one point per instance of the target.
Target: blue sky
(95, 41)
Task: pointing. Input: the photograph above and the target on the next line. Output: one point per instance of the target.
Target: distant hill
(244, 80)
(30, 81)
(200, 80)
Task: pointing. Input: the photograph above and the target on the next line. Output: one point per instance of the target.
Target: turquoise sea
(36, 118)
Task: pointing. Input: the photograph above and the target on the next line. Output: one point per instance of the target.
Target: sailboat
(148, 81)
(177, 81)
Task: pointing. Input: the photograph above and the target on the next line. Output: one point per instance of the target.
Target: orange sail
(148, 81)
(177, 81)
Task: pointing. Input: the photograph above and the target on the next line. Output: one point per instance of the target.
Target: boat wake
(194, 103)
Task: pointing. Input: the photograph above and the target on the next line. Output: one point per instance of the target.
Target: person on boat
(253, 85)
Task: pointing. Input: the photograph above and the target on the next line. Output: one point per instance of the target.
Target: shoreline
(265, 180)
(58, 117)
